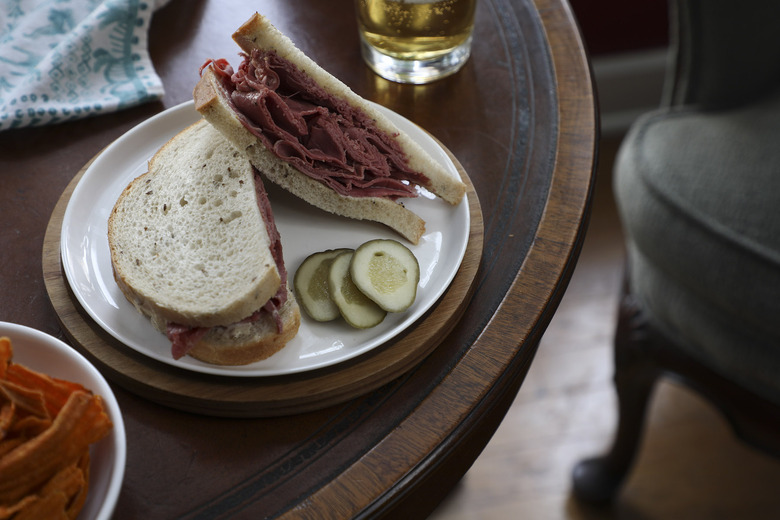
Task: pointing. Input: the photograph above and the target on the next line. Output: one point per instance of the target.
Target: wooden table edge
(399, 491)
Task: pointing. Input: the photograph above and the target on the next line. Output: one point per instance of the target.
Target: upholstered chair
(697, 183)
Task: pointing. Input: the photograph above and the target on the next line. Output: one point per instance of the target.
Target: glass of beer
(415, 41)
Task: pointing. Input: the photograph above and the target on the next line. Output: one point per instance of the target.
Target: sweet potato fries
(46, 428)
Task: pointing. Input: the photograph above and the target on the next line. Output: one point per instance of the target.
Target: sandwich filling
(321, 135)
(183, 338)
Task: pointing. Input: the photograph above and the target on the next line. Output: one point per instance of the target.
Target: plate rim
(189, 117)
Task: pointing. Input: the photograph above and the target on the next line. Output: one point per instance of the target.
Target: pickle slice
(311, 285)
(358, 310)
(387, 272)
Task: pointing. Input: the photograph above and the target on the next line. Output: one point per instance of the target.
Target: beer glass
(415, 41)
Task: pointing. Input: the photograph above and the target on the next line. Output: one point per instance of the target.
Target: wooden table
(521, 120)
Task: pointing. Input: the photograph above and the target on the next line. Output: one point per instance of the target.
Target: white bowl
(47, 354)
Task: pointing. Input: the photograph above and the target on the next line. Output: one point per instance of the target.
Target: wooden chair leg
(597, 480)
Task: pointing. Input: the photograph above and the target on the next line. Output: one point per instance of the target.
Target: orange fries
(46, 428)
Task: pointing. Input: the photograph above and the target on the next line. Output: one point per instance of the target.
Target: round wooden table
(520, 119)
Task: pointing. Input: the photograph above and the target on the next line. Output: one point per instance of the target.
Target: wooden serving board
(257, 396)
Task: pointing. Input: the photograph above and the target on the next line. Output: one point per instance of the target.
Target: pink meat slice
(321, 135)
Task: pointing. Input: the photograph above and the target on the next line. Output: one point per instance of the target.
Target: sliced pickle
(387, 272)
(311, 285)
(358, 310)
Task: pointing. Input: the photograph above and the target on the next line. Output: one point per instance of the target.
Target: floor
(690, 465)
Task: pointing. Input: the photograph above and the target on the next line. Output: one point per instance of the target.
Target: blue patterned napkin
(67, 59)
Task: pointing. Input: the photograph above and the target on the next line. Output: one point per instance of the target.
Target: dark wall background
(616, 26)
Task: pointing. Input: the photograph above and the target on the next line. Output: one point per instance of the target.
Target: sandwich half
(309, 133)
(194, 247)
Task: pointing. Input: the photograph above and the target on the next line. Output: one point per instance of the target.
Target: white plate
(304, 230)
(44, 353)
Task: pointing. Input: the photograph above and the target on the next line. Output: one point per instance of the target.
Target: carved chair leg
(597, 480)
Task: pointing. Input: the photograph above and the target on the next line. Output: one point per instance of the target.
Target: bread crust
(259, 33)
(245, 343)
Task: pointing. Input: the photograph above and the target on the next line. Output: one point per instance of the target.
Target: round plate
(44, 353)
(303, 228)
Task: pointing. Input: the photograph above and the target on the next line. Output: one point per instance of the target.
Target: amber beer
(415, 41)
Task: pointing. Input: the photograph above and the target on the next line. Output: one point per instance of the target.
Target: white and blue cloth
(62, 60)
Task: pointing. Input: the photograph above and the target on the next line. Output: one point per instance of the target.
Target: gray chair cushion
(699, 198)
